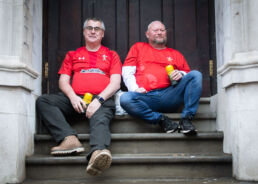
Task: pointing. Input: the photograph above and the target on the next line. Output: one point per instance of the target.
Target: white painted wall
(20, 66)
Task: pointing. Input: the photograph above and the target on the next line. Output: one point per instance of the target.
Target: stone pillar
(20, 84)
(237, 54)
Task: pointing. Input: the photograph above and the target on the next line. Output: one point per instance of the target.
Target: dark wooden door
(190, 25)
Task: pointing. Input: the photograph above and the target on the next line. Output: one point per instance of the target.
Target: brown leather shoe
(70, 145)
(100, 160)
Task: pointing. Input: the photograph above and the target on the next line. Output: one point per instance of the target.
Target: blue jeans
(148, 106)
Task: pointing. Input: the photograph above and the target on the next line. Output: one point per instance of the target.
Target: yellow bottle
(170, 69)
(87, 98)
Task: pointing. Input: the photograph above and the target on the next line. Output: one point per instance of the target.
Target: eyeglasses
(161, 30)
(90, 28)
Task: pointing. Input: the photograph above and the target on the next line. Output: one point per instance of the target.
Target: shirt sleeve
(129, 69)
(181, 64)
(116, 65)
(67, 65)
(131, 58)
(129, 78)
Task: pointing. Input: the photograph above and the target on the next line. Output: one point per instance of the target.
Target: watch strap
(100, 99)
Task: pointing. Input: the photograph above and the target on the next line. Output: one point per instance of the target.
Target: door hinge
(46, 70)
(211, 67)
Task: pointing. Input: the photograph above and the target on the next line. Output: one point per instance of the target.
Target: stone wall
(20, 84)
(237, 59)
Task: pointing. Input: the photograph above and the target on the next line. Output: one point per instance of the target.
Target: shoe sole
(68, 152)
(187, 131)
(102, 161)
(171, 131)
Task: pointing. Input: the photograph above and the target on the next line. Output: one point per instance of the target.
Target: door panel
(188, 22)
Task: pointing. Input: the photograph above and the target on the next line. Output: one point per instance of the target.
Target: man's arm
(110, 90)
(66, 88)
(129, 79)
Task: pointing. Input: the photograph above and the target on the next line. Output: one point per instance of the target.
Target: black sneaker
(186, 126)
(168, 125)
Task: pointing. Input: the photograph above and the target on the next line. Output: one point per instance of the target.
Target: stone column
(20, 68)
(237, 54)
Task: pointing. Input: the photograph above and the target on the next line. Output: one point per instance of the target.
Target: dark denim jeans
(148, 106)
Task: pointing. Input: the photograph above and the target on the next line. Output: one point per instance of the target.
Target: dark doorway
(190, 25)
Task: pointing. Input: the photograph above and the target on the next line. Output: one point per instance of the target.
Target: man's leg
(193, 91)
(192, 96)
(99, 156)
(51, 109)
(141, 105)
(187, 92)
(145, 106)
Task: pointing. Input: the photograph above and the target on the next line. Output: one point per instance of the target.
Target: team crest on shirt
(170, 59)
(104, 57)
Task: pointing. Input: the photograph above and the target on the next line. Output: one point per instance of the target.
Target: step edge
(137, 180)
(143, 136)
(133, 159)
(201, 115)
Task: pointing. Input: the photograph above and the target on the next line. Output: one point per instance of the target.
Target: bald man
(150, 92)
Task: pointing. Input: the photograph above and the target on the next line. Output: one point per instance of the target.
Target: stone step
(128, 124)
(205, 120)
(151, 166)
(203, 142)
(225, 180)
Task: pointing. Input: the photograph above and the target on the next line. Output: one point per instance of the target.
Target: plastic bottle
(87, 99)
(170, 69)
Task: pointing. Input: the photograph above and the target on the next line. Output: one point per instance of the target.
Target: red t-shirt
(151, 65)
(90, 71)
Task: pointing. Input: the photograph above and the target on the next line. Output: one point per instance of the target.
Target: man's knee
(125, 99)
(196, 74)
(41, 100)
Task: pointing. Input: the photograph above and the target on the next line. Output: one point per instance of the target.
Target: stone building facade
(235, 103)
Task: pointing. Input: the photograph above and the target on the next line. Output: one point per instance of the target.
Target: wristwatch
(100, 99)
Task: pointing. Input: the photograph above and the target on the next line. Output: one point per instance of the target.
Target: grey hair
(94, 19)
(153, 22)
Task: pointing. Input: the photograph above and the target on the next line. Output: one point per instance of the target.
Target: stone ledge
(14, 73)
(242, 69)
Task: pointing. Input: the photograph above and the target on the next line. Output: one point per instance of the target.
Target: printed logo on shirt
(81, 58)
(104, 57)
(93, 70)
(170, 58)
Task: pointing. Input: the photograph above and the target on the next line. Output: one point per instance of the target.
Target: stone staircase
(141, 154)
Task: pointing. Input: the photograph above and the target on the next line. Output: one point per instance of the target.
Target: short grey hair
(94, 19)
(153, 22)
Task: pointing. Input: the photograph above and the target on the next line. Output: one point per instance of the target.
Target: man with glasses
(150, 89)
(90, 69)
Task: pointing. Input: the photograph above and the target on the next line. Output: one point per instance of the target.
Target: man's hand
(78, 104)
(141, 90)
(176, 75)
(92, 108)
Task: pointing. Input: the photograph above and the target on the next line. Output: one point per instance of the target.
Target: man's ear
(147, 34)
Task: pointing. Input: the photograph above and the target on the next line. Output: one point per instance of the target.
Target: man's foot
(186, 126)
(100, 160)
(168, 125)
(70, 145)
